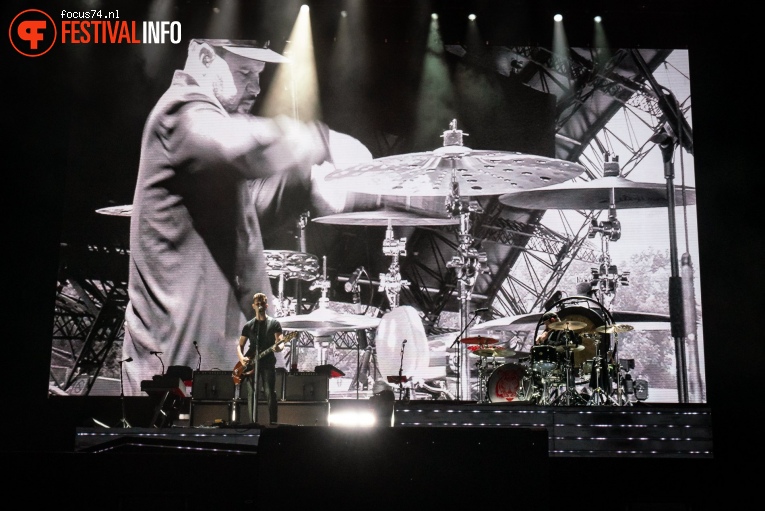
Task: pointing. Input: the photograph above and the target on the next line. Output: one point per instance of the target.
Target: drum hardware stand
(468, 262)
(570, 396)
(598, 396)
(391, 282)
(606, 277)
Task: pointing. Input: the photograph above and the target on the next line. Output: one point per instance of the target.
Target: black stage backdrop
(39, 134)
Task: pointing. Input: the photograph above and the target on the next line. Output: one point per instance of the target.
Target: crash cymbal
(126, 210)
(477, 173)
(596, 194)
(479, 340)
(325, 321)
(570, 347)
(568, 325)
(614, 329)
(292, 264)
(384, 218)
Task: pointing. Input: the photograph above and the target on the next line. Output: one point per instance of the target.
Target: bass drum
(593, 319)
(510, 382)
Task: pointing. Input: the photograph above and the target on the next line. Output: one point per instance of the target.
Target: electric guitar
(242, 371)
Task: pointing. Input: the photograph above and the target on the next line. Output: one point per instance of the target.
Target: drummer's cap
(247, 48)
(547, 316)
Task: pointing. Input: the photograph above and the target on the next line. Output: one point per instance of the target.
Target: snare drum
(544, 358)
(510, 382)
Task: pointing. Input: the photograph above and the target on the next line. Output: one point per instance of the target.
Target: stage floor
(640, 431)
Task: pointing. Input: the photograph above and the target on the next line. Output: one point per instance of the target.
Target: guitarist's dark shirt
(262, 333)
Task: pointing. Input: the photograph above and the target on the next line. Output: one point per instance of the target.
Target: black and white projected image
(411, 210)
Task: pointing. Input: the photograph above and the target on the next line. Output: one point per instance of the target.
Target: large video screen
(411, 192)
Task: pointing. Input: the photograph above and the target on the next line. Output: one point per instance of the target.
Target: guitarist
(262, 332)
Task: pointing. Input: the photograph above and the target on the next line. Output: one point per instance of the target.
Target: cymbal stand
(392, 282)
(599, 396)
(482, 388)
(569, 396)
(468, 262)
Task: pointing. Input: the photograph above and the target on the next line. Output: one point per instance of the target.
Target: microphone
(482, 309)
(155, 352)
(404, 342)
(354, 279)
(129, 359)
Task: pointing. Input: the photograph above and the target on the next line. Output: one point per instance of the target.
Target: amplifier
(219, 413)
(212, 385)
(306, 386)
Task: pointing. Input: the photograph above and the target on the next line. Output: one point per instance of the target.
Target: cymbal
(325, 321)
(478, 172)
(491, 352)
(479, 340)
(384, 218)
(614, 329)
(126, 210)
(292, 264)
(596, 194)
(528, 322)
(567, 325)
(570, 347)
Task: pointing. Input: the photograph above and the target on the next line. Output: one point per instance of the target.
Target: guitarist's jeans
(267, 375)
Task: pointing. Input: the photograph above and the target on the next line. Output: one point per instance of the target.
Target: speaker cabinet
(307, 386)
(217, 413)
(212, 385)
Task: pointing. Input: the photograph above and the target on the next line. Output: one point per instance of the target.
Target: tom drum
(544, 359)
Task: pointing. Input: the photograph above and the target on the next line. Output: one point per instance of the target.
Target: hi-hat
(570, 347)
(384, 218)
(476, 172)
(567, 325)
(614, 329)
(126, 210)
(597, 194)
(479, 340)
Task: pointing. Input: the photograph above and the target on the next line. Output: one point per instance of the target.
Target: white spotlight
(598, 19)
(434, 16)
(471, 17)
(558, 17)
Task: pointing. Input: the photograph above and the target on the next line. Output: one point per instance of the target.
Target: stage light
(434, 16)
(558, 18)
(471, 17)
(598, 19)
(352, 418)
(344, 14)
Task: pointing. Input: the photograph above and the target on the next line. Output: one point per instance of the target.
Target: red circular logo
(32, 33)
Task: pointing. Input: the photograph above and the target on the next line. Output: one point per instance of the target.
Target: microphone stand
(199, 360)
(459, 352)
(156, 353)
(123, 422)
(401, 372)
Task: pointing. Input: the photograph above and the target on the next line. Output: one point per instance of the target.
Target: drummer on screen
(549, 336)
